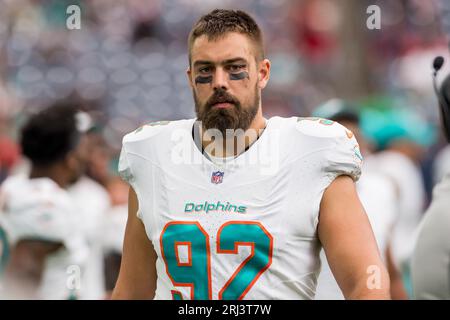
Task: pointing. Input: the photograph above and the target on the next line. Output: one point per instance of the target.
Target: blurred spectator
(9, 156)
(9, 151)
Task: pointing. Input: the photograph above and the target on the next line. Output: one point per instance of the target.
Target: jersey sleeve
(125, 169)
(336, 146)
(134, 143)
(124, 166)
(343, 156)
(333, 152)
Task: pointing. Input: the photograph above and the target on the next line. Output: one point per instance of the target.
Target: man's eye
(205, 70)
(236, 67)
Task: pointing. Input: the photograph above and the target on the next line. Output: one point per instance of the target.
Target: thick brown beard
(234, 118)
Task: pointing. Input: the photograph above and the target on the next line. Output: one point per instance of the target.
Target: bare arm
(26, 265)
(137, 276)
(349, 243)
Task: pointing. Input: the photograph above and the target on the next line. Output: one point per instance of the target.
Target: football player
(231, 205)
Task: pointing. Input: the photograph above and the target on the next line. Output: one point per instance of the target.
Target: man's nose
(220, 79)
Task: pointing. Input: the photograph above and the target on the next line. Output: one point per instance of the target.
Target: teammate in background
(104, 200)
(39, 220)
(94, 203)
(235, 206)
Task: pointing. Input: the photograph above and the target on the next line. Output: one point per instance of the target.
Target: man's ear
(263, 73)
(189, 75)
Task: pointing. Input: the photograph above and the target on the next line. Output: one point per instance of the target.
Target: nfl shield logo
(217, 177)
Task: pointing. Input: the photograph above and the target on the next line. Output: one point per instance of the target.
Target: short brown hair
(220, 21)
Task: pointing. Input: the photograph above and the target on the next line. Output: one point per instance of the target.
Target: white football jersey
(406, 176)
(244, 229)
(93, 202)
(113, 229)
(38, 209)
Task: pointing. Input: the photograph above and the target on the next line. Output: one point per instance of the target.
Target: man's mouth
(223, 105)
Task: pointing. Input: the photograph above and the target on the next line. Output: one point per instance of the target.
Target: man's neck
(51, 172)
(234, 145)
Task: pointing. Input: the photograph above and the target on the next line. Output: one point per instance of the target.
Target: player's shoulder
(312, 127)
(326, 139)
(158, 129)
(31, 196)
(16, 184)
(13, 180)
(322, 128)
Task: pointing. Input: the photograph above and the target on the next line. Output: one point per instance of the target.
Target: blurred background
(126, 66)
